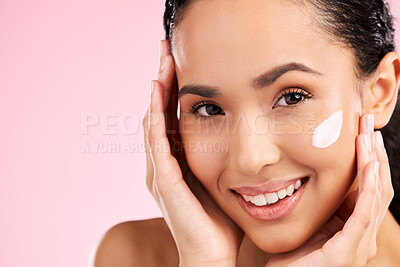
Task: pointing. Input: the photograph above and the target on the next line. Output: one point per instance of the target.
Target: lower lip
(274, 211)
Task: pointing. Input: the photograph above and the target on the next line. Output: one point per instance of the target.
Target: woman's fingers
(360, 225)
(356, 242)
(168, 176)
(364, 146)
(374, 196)
(352, 245)
(166, 72)
(175, 199)
(384, 170)
(366, 151)
(364, 211)
(365, 154)
(385, 186)
(149, 162)
(367, 246)
(166, 78)
(157, 138)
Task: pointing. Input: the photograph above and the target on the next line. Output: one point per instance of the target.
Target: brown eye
(206, 110)
(292, 97)
(209, 110)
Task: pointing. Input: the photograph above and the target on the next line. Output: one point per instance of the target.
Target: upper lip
(270, 187)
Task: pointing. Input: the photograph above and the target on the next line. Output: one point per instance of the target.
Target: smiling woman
(295, 90)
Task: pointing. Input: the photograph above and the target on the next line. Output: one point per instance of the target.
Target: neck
(388, 236)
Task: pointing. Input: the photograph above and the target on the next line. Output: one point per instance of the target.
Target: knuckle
(390, 194)
(365, 221)
(346, 259)
(372, 188)
(145, 121)
(372, 251)
(152, 139)
(145, 126)
(359, 169)
(149, 184)
(156, 188)
(146, 141)
(158, 142)
(152, 189)
(346, 262)
(152, 136)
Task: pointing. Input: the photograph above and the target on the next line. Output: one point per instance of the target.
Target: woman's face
(247, 133)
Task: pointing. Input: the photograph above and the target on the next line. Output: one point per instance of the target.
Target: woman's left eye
(292, 97)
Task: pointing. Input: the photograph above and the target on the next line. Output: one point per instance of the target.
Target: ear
(380, 96)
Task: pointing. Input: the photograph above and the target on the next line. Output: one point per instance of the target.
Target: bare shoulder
(137, 243)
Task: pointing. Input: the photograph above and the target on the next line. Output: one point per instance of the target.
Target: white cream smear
(328, 131)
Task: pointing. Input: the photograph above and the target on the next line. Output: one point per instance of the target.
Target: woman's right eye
(206, 110)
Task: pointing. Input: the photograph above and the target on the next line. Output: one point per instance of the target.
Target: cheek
(328, 131)
(205, 154)
(332, 167)
(323, 142)
(337, 159)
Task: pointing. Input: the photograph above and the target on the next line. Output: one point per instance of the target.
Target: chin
(279, 244)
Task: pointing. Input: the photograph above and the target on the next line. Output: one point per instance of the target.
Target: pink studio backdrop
(74, 86)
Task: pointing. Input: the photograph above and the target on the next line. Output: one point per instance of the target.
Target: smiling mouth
(279, 207)
(274, 197)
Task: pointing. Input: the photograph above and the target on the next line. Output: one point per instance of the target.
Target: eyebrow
(261, 81)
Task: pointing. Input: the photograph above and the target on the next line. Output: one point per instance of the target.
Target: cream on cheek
(328, 131)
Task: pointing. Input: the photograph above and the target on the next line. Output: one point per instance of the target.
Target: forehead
(219, 37)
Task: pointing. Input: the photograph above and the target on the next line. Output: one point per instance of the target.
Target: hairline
(318, 25)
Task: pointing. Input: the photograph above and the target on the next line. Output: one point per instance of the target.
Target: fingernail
(370, 123)
(367, 142)
(376, 168)
(379, 138)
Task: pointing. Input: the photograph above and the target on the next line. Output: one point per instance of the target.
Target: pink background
(64, 64)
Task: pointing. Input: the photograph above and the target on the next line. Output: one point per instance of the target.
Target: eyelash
(303, 93)
(196, 106)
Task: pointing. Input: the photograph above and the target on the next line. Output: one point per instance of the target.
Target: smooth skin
(368, 235)
(355, 241)
(228, 47)
(198, 230)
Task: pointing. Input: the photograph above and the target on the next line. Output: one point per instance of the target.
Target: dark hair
(365, 27)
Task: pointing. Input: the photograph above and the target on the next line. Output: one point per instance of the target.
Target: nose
(252, 149)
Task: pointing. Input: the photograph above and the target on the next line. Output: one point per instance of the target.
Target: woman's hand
(349, 237)
(204, 235)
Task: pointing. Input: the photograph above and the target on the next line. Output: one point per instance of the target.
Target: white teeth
(297, 184)
(258, 200)
(290, 190)
(282, 193)
(271, 198)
